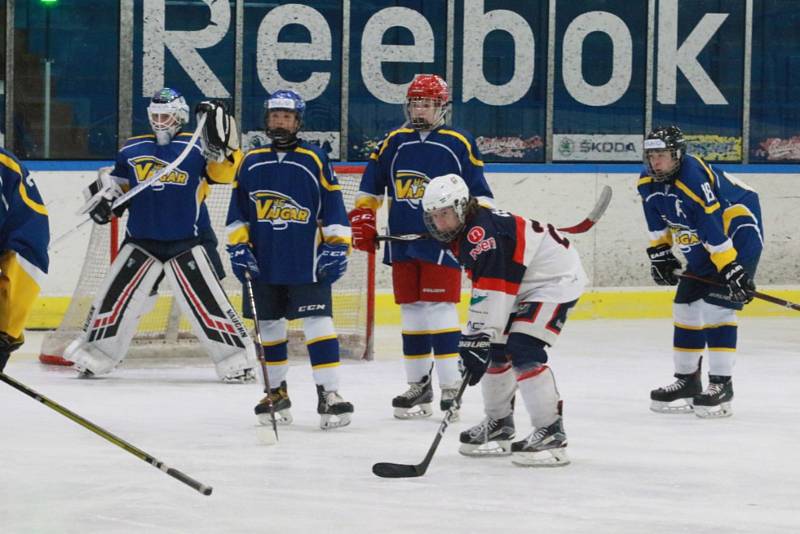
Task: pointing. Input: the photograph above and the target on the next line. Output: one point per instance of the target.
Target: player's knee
(526, 352)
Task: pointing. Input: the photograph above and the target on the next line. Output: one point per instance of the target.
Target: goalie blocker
(128, 294)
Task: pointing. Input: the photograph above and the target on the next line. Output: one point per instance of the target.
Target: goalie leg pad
(114, 315)
(214, 321)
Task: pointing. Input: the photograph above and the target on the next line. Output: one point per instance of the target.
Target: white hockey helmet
(445, 192)
(167, 113)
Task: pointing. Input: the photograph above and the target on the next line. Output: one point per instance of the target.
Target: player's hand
(362, 222)
(7, 346)
(663, 265)
(739, 282)
(474, 352)
(243, 261)
(331, 262)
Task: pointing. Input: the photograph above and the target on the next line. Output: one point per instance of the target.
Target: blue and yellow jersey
(699, 211)
(284, 204)
(24, 237)
(401, 167)
(173, 208)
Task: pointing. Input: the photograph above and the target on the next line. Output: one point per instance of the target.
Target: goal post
(164, 333)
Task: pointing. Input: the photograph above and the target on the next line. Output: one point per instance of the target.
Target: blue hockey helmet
(284, 100)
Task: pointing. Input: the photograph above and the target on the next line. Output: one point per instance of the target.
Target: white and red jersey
(511, 259)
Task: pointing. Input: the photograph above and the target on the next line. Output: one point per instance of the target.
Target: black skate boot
(681, 393)
(419, 395)
(448, 399)
(545, 447)
(280, 402)
(492, 437)
(715, 401)
(334, 411)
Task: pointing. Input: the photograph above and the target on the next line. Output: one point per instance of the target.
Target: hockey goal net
(165, 334)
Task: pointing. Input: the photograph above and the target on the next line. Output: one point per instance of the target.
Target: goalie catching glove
(474, 352)
(220, 137)
(100, 197)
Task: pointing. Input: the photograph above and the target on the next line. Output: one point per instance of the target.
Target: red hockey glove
(362, 222)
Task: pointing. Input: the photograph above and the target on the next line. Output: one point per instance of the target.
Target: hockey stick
(174, 473)
(756, 294)
(584, 226)
(265, 437)
(144, 185)
(392, 470)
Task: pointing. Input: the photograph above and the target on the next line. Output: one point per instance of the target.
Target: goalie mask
(167, 113)
(664, 147)
(445, 205)
(427, 102)
(283, 117)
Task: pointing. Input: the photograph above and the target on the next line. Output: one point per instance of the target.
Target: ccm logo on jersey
(278, 209)
(482, 246)
(146, 166)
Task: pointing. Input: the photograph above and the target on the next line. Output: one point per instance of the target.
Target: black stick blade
(390, 470)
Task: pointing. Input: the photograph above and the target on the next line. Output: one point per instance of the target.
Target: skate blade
(245, 378)
(423, 410)
(485, 450)
(714, 412)
(266, 435)
(681, 406)
(283, 417)
(547, 458)
(330, 421)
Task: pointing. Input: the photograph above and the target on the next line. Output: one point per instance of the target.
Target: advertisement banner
(588, 147)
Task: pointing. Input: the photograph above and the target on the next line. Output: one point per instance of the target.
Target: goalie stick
(756, 294)
(144, 185)
(584, 226)
(121, 443)
(392, 470)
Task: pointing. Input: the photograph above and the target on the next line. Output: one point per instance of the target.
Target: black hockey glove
(740, 284)
(663, 265)
(8, 345)
(220, 137)
(474, 352)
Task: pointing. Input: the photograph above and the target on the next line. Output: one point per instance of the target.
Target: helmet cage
(167, 113)
(445, 192)
(427, 91)
(284, 100)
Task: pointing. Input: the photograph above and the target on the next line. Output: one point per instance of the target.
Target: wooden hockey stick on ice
(392, 470)
(144, 185)
(119, 442)
(584, 226)
(756, 294)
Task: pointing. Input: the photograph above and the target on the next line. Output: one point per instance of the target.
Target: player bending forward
(526, 278)
(287, 229)
(168, 235)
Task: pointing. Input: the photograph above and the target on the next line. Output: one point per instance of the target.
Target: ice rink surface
(632, 470)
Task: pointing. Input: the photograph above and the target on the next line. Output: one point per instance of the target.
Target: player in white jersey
(168, 235)
(526, 277)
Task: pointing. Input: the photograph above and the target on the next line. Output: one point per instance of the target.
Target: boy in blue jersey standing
(168, 239)
(426, 279)
(287, 228)
(715, 220)
(24, 236)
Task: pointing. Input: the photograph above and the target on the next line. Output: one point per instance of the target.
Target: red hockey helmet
(426, 101)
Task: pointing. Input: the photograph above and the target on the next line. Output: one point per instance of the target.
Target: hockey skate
(715, 401)
(448, 400)
(677, 397)
(492, 437)
(242, 376)
(545, 447)
(334, 411)
(419, 395)
(281, 404)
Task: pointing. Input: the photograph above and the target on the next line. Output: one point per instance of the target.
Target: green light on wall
(48, 2)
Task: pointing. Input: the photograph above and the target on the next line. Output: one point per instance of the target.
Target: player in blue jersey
(715, 221)
(426, 280)
(24, 236)
(168, 236)
(526, 277)
(287, 228)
